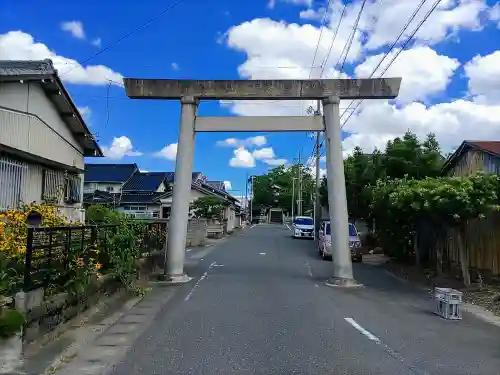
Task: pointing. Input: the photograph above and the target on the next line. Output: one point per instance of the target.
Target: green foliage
(11, 322)
(275, 188)
(402, 157)
(399, 205)
(118, 247)
(209, 207)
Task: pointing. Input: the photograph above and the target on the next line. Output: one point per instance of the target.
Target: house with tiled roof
(107, 177)
(472, 157)
(43, 139)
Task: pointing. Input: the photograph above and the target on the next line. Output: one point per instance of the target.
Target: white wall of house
(39, 130)
(25, 182)
(141, 210)
(110, 187)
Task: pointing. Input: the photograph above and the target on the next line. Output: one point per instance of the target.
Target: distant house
(472, 157)
(107, 177)
(43, 139)
(125, 188)
(202, 188)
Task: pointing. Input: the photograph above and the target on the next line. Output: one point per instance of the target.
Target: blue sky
(451, 73)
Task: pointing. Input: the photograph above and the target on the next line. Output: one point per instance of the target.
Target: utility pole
(299, 188)
(251, 201)
(317, 205)
(293, 197)
(246, 196)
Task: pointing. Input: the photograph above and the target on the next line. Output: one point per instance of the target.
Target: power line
(407, 41)
(350, 39)
(143, 25)
(407, 24)
(346, 48)
(323, 64)
(320, 35)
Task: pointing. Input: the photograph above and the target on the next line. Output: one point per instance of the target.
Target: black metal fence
(49, 250)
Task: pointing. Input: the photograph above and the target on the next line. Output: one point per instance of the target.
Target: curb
(71, 352)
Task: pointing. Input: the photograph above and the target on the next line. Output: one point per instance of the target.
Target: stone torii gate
(329, 91)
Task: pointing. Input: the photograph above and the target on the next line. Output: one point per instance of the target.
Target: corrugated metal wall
(29, 134)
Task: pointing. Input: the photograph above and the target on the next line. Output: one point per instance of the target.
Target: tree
(403, 157)
(275, 188)
(209, 207)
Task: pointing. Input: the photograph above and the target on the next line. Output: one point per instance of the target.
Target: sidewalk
(102, 342)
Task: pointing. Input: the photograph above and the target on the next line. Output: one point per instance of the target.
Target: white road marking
(188, 250)
(316, 285)
(288, 226)
(394, 354)
(368, 334)
(203, 277)
(262, 253)
(309, 269)
(253, 226)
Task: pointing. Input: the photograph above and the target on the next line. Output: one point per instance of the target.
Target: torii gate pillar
(330, 91)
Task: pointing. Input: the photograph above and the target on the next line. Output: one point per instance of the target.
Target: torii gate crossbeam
(330, 91)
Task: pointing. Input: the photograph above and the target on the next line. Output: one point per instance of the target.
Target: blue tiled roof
(171, 176)
(109, 172)
(149, 181)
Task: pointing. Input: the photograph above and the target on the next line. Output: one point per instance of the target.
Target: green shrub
(11, 322)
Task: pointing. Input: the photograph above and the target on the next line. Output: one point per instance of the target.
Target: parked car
(303, 227)
(325, 242)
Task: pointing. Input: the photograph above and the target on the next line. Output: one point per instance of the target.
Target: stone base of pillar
(173, 280)
(340, 282)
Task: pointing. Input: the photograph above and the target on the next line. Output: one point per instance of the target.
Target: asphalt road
(258, 305)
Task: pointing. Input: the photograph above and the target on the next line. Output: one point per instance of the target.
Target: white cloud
(263, 153)
(494, 14)
(275, 162)
(227, 185)
(242, 159)
(484, 77)
(314, 15)
(381, 18)
(17, 45)
(85, 112)
(97, 42)
(258, 140)
(452, 122)
(120, 147)
(75, 28)
(272, 3)
(424, 72)
(168, 152)
(175, 66)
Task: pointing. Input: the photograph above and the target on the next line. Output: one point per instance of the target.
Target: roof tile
(109, 172)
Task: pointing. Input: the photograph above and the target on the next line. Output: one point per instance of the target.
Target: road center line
(253, 226)
(368, 334)
(309, 269)
(288, 226)
(203, 277)
(388, 350)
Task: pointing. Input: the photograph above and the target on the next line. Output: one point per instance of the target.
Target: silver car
(325, 242)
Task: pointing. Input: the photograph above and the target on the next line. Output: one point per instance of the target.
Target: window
(72, 189)
(303, 221)
(12, 174)
(352, 230)
(53, 186)
(109, 189)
